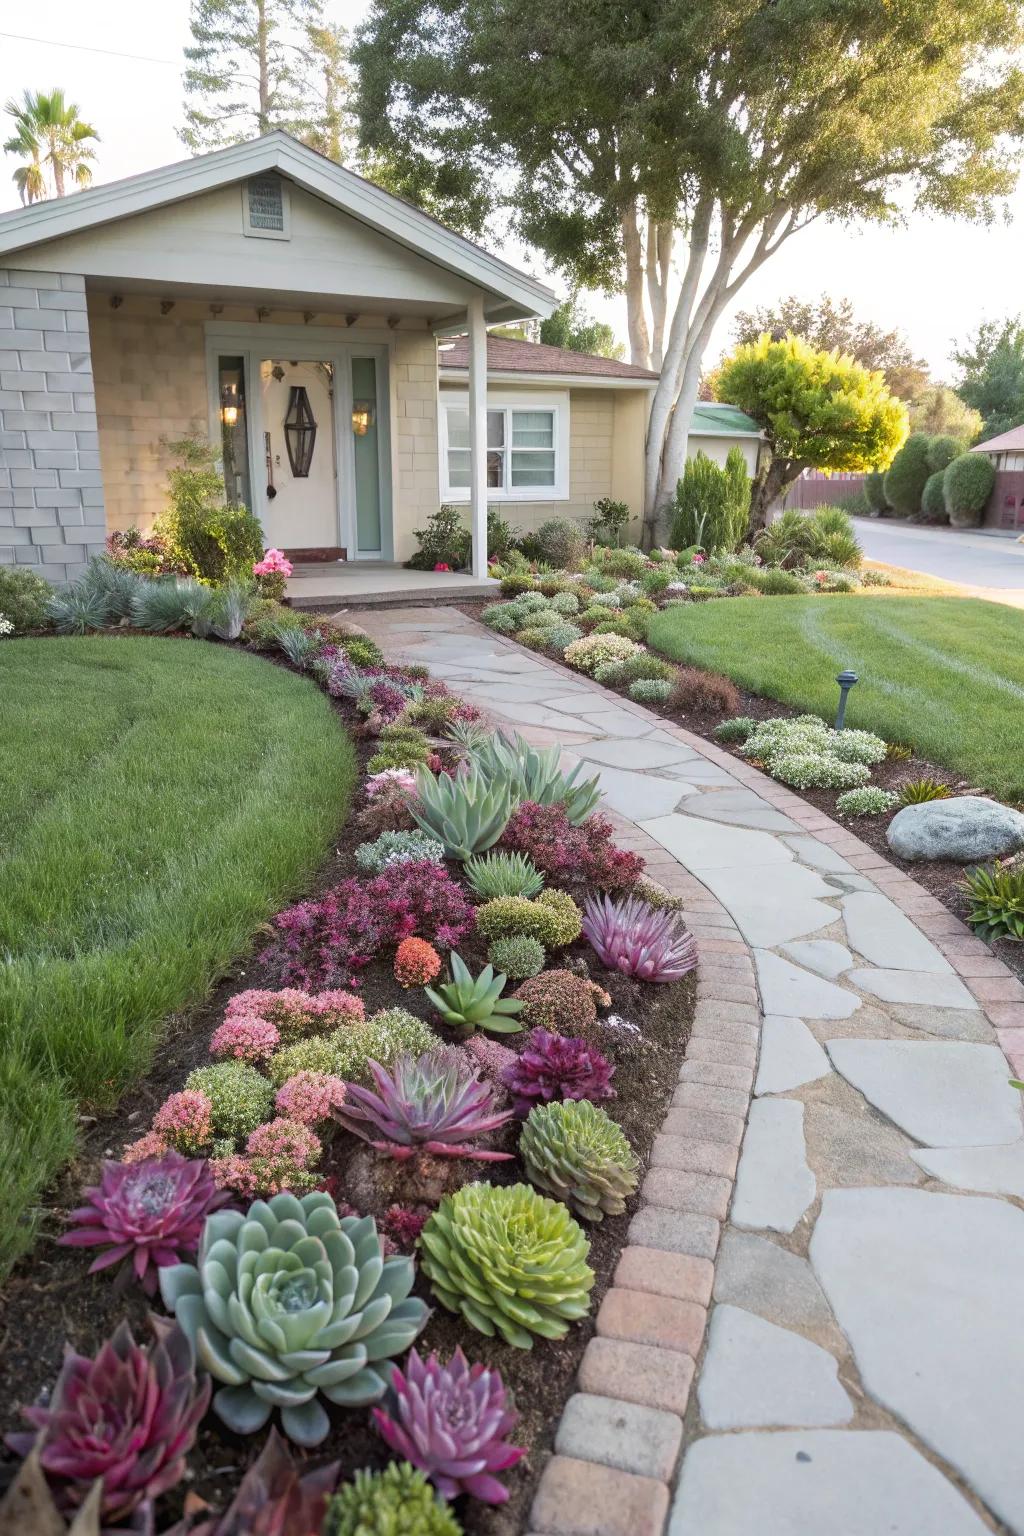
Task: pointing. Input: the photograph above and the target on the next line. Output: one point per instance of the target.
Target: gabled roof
(280, 152)
(1006, 442)
(713, 418)
(505, 355)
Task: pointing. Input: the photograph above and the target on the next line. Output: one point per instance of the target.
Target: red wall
(1006, 504)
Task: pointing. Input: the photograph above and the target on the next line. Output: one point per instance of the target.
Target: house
(1005, 507)
(303, 318)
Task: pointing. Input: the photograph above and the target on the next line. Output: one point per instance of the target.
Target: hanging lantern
(299, 432)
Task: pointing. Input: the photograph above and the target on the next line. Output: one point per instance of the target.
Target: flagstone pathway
(862, 1370)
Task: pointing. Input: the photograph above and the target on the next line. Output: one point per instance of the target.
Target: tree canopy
(55, 142)
(573, 329)
(256, 65)
(940, 412)
(828, 325)
(817, 410)
(621, 139)
(991, 379)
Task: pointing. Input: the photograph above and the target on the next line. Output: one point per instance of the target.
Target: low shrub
(587, 655)
(735, 731)
(812, 770)
(875, 579)
(852, 746)
(650, 690)
(774, 582)
(509, 917)
(704, 693)
(609, 521)
(417, 963)
(561, 636)
(933, 500)
(399, 747)
(23, 598)
(871, 800)
(444, 541)
(571, 855)
(203, 536)
(566, 603)
(240, 1097)
(382, 1038)
(561, 543)
(397, 1500)
(517, 958)
(625, 564)
(560, 1001)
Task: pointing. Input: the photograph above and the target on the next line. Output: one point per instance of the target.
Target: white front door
(301, 510)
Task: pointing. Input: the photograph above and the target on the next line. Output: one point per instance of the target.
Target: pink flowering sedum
(245, 1039)
(285, 1140)
(399, 778)
(150, 1212)
(150, 1145)
(294, 1013)
(450, 1421)
(274, 563)
(309, 1097)
(128, 1417)
(185, 1121)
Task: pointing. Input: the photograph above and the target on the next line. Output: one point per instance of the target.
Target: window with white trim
(527, 448)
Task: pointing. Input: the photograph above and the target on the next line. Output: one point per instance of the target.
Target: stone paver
(883, 1135)
(758, 1375)
(774, 1185)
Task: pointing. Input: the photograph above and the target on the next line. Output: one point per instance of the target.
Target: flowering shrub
(388, 778)
(278, 1156)
(568, 855)
(587, 655)
(869, 801)
(272, 573)
(554, 1067)
(818, 770)
(6, 626)
(152, 1144)
(334, 936)
(858, 747)
(293, 1013)
(417, 963)
(287, 1140)
(398, 848)
(560, 1001)
(184, 1121)
(240, 1098)
(245, 1039)
(309, 1097)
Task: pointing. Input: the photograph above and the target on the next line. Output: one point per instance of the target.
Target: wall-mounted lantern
(229, 405)
(299, 432)
(362, 417)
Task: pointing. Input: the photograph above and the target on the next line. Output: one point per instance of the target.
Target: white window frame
(509, 401)
(286, 210)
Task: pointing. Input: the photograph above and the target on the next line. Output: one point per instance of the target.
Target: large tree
(827, 324)
(624, 140)
(256, 65)
(938, 411)
(991, 379)
(572, 328)
(55, 141)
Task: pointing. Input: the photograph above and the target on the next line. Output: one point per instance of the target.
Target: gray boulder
(966, 830)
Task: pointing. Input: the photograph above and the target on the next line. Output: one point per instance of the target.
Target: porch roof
(511, 294)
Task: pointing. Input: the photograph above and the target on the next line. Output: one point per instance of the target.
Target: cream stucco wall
(415, 462)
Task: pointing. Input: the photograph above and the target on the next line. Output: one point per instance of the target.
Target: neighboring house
(292, 311)
(1005, 507)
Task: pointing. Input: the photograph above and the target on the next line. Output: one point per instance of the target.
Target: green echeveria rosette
(509, 1260)
(576, 1152)
(288, 1302)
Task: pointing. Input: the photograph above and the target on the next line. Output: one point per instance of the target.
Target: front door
(304, 436)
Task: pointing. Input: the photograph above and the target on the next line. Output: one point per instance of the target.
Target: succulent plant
(396, 1502)
(432, 1103)
(520, 957)
(919, 791)
(272, 1499)
(150, 1213)
(416, 963)
(503, 874)
(128, 1417)
(996, 898)
(465, 814)
(470, 1003)
(510, 1260)
(28, 1508)
(451, 1422)
(577, 1153)
(552, 1067)
(533, 773)
(289, 1301)
(639, 940)
(398, 848)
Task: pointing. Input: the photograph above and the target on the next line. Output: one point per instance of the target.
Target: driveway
(990, 564)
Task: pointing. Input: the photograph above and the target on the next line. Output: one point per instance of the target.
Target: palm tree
(48, 126)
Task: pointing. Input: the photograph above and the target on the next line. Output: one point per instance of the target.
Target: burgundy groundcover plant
(571, 855)
(129, 1417)
(557, 1067)
(151, 1213)
(639, 940)
(272, 1499)
(451, 1422)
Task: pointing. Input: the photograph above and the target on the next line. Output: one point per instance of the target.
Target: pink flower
(821, 577)
(274, 563)
(697, 559)
(309, 1097)
(150, 1145)
(245, 1039)
(185, 1121)
(440, 566)
(236, 1173)
(285, 1140)
(400, 777)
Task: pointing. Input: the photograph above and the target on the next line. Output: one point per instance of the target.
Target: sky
(935, 279)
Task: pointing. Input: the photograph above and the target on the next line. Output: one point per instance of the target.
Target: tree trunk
(636, 319)
(659, 261)
(262, 33)
(773, 479)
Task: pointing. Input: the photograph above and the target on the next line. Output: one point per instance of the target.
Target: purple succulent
(639, 940)
(150, 1212)
(450, 1421)
(272, 1499)
(432, 1103)
(557, 1067)
(128, 1417)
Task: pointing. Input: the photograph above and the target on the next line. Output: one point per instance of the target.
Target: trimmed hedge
(966, 487)
(905, 479)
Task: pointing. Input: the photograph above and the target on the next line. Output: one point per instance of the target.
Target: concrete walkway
(863, 1367)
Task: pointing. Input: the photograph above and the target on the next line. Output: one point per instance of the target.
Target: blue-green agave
(290, 1301)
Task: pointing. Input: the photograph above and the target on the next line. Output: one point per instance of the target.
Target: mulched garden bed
(49, 1298)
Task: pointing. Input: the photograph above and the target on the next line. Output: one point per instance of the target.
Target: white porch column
(478, 434)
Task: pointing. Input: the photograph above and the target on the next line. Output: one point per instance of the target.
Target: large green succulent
(466, 813)
(470, 1003)
(289, 1301)
(511, 1261)
(533, 773)
(576, 1152)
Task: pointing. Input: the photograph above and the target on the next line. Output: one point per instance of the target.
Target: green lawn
(945, 674)
(159, 799)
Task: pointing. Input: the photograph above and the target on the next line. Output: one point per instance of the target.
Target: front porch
(368, 583)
